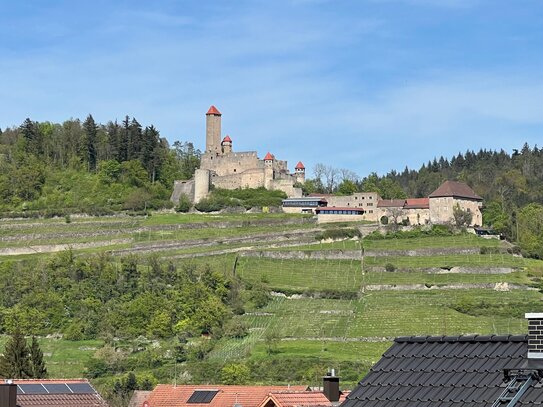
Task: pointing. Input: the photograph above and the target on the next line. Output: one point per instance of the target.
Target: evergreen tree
(15, 362)
(39, 371)
(91, 130)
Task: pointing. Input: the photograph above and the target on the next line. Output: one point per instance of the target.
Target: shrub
(390, 267)
(346, 233)
(384, 220)
(236, 328)
(184, 204)
(209, 205)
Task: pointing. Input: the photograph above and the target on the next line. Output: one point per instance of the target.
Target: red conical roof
(268, 157)
(300, 166)
(227, 139)
(213, 110)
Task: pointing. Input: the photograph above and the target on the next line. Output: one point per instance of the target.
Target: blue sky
(368, 85)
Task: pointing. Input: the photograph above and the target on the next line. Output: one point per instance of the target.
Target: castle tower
(226, 145)
(299, 172)
(213, 130)
(268, 170)
(268, 160)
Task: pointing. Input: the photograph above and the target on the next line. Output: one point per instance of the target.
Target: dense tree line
(89, 166)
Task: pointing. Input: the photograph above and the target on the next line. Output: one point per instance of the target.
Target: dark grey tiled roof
(454, 371)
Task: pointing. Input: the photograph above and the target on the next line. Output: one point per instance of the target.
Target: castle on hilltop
(221, 167)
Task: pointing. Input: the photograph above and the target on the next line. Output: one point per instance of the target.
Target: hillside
(274, 295)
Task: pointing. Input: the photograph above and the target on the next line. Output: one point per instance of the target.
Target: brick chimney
(535, 335)
(330, 386)
(8, 395)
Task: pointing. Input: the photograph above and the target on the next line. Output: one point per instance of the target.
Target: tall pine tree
(37, 365)
(15, 362)
(91, 131)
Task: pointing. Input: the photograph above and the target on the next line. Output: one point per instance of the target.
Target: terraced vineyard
(331, 301)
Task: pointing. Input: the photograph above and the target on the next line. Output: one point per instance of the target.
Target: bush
(209, 205)
(390, 267)
(346, 233)
(384, 220)
(184, 204)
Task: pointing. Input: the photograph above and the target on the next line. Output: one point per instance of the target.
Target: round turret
(226, 145)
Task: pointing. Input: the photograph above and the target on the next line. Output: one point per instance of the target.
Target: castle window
(234, 170)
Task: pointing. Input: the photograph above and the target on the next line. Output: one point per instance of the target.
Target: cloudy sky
(369, 85)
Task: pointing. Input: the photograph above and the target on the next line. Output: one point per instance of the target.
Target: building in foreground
(50, 392)
(457, 371)
(246, 396)
(222, 167)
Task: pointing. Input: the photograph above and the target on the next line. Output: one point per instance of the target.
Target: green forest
(49, 169)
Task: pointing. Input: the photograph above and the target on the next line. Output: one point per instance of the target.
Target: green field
(351, 276)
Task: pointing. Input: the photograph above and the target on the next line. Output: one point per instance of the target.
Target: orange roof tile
(300, 166)
(298, 399)
(213, 110)
(417, 203)
(165, 395)
(227, 139)
(269, 156)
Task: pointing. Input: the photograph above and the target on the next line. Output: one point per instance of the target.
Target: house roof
(165, 395)
(59, 393)
(391, 203)
(300, 166)
(456, 190)
(298, 399)
(227, 139)
(269, 156)
(214, 110)
(444, 371)
(417, 203)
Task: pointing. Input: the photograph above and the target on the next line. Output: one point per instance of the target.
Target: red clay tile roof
(165, 395)
(300, 166)
(227, 139)
(456, 190)
(213, 110)
(391, 203)
(417, 203)
(58, 400)
(269, 156)
(298, 399)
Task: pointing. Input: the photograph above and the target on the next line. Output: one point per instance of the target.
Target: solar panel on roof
(81, 388)
(202, 396)
(57, 388)
(31, 389)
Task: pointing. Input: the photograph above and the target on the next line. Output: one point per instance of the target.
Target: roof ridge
(462, 338)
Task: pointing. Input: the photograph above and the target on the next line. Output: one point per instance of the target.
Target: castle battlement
(221, 167)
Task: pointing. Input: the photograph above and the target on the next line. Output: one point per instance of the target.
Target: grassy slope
(328, 329)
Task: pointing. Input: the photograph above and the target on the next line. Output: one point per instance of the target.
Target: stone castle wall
(441, 209)
(253, 178)
(231, 163)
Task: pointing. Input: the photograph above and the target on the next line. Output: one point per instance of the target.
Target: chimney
(535, 336)
(330, 386)
(8, 395)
